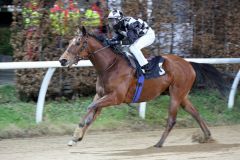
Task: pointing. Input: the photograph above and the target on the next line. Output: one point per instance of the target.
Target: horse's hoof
(199, 138)
(71, 143)
(157, 146)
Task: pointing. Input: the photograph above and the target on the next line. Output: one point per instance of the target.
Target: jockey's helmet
(114, 17)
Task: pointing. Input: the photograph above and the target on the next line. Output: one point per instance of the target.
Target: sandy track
(127, 145)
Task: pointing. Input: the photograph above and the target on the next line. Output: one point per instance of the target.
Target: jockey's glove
(113, 42)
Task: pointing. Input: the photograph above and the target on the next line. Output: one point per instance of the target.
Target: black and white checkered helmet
(115, 14)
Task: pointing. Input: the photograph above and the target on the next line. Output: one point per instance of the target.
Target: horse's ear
(84, 32)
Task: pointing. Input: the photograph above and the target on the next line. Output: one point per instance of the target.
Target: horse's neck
(102, 59)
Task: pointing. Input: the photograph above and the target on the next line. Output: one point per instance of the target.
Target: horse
(116, 83)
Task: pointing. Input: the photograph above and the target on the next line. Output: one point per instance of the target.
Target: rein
(101, 49)
(111, 65)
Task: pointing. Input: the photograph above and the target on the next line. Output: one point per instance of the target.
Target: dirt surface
(127, 145)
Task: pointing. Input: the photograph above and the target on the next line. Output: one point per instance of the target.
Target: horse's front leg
(94, 110)
(83, 125)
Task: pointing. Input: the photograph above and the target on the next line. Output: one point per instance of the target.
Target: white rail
(87, 63)
(233, 91)
(214, 60)
(42, 94)
(39, 64)
(52, 65)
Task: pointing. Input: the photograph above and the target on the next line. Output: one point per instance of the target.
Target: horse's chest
(100, 91)
(103, 86)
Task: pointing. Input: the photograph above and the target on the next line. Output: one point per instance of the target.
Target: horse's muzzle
(63, 62)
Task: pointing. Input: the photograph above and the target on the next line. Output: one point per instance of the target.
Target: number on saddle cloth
(156, 67)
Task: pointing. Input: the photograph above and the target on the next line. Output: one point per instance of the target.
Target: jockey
(138, 33)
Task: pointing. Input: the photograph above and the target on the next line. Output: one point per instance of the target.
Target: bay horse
(116, 83)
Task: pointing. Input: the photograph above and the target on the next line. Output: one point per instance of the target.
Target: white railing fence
(52, 65)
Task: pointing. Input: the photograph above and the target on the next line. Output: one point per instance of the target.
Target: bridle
(84, 46)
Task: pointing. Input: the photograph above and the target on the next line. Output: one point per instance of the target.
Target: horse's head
(76, 50)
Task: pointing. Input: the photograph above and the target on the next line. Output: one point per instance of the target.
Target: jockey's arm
(118, 37)
(135, 25)
(132, 32)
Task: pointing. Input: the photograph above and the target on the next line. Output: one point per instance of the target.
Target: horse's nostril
(63, 62)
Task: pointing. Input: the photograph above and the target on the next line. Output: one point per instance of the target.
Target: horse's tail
(208, 74)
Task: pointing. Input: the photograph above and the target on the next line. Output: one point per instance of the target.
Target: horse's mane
(103, 40)
(100, 38)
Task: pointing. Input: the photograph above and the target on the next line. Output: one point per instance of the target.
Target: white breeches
(142, 42)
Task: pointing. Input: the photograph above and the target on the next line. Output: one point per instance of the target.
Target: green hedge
(5, 46)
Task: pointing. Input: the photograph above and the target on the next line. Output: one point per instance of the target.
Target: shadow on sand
(207, 147)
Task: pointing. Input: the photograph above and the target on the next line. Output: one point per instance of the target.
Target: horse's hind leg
(172, 114)
(188, 107)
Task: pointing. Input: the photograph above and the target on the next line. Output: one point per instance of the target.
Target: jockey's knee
(133, 48)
